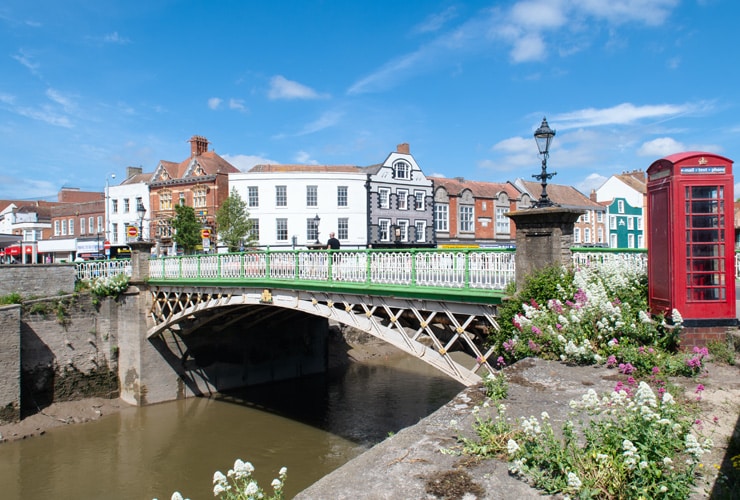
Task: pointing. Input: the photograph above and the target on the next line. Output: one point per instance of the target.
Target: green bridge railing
(479, 275)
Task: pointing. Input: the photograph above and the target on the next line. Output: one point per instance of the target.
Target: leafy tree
(186, 228)
(234, 226)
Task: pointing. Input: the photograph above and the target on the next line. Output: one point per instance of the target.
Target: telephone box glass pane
(704, 243)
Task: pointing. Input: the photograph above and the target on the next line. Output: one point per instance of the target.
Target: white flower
(283, 471)
(251, 488)
(668, 398)
(573, 481)
(176, 496)
(219, 478)
(663, 488)
(512, 447)
(276, 484)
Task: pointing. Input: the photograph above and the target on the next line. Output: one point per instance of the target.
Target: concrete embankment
(412, 464)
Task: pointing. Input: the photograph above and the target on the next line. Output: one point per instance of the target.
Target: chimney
(198, 145)
(403, 148)
(132, 171)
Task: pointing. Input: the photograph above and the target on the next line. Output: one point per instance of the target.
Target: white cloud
(326, 120)
(538, 14)
(528, 48)
(25, 59)
(649, 12)
(435, 21)
(282, 88)
(214, 102)
(660, 147)
(237, 104)
(592, 181)
(245, 162)
(305, 158)
(115, 38)
(61, 99)
(623, 114)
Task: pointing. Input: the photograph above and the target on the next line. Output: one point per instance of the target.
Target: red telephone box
(691, 238)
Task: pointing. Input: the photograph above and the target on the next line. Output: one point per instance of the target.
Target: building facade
(124, 221)
(201, 182)
(387, 205)
(590, 228)
(473, 213)
(625, 196)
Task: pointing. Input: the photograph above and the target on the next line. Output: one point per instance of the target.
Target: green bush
(12, 298)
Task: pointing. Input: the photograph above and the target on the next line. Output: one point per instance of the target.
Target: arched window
(401, 170)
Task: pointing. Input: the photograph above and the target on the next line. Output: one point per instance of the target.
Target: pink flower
(656, 370)
(626, 368)
(500, 361)
(611, 361)
(536, 331)
(699, 388)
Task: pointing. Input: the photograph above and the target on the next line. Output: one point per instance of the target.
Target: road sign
(205, 233)
(106, 245)
(132, 231)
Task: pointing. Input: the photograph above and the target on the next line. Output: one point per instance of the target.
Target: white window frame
(342, 196)
(253, 196)
(384, 230)
(442, 217)
(312, 196)
(420, 227)
(281, 197)
(384, 197)
(402, 170)
(281, 226)
(402, 199)
(82, 225)
(503, 223)
(466, 218)
(419, 200)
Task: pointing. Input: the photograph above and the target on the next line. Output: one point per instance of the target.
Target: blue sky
(90, 87)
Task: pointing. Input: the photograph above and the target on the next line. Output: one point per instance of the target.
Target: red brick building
(472, 213)
(201, 181)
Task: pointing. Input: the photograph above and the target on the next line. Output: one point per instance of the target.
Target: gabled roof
(138, 179)
(202, 164)
(635, 179)
(455, 186)
(280, 168)
(565, 196)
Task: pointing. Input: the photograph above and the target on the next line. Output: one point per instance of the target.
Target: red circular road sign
(205, 233)
(132, 231)
(106, 245)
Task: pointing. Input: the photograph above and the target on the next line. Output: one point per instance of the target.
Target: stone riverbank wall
(56, 349)
(37, 280)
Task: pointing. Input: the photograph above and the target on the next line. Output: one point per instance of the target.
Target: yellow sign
(205, 233)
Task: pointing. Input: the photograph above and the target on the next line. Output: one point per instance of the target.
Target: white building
(122, 203)
(284, 201)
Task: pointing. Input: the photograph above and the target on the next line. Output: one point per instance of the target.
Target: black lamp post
(141, 211)
(543, 136)
(316, 221)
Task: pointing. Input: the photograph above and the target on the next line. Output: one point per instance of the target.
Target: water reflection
(312, 426)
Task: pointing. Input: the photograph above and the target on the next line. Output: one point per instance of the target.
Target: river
(311, 426)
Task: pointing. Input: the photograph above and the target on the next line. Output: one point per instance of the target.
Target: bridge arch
(429, 330)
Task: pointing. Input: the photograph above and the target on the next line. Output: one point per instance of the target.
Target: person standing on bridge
(332, 243)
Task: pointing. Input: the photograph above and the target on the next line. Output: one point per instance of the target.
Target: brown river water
(311, 426)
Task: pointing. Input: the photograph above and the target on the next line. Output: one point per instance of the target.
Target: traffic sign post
(132, 231)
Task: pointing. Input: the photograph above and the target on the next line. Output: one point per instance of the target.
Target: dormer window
(401, 170)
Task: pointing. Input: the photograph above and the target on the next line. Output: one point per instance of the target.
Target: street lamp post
(106, 211)
(543, 136)
(141, 211)
(316, 221)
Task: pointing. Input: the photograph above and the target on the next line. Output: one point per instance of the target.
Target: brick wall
(40, 280)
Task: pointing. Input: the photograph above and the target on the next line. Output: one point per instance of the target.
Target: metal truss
(429, 330)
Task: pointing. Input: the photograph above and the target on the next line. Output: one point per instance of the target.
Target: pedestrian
(332, 243)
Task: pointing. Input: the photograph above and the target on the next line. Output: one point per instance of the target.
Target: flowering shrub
(107, 286)
(597, 314)
(238, 484)
(634, 444)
